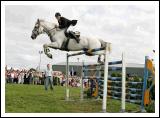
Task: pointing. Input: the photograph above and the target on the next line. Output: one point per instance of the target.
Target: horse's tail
(103, 44)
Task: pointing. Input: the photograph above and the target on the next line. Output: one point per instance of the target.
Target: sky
(129, 28)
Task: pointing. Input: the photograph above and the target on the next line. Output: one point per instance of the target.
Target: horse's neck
(50, 26)
(59, 35)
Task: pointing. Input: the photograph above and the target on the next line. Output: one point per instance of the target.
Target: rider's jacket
(65, 23)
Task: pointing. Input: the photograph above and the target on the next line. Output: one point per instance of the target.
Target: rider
(65, 23)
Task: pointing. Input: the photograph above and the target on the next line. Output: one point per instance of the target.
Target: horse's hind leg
(100, 59)
(100, 56)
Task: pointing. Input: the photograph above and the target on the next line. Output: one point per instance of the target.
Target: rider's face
(58, 17)
(48, 66)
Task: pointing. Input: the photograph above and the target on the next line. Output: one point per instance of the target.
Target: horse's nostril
(32, 37)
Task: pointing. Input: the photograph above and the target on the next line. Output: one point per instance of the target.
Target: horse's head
(38, 29)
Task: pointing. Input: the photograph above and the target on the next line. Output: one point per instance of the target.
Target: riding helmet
(57, 14)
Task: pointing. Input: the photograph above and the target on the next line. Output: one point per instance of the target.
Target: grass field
(34, 99)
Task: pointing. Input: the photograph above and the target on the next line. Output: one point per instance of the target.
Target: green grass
(34, 99)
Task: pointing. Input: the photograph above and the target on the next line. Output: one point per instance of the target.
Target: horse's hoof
(47, 50)
(49, 55)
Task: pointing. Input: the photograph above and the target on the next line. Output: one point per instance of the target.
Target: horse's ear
(38, 20)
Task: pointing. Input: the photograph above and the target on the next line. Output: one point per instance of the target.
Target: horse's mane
(50, 25)
(41, 20)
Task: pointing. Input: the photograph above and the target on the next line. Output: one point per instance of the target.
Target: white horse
(61, 42)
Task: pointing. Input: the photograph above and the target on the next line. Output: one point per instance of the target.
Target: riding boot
(75, 37)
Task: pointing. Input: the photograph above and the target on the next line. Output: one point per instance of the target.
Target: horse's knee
(45, 48)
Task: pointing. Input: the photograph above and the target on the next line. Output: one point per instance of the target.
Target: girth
(65, 45)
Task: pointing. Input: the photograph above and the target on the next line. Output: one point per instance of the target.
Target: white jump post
(67, 78)
(123, 96)
(105, 80)
(123, 83)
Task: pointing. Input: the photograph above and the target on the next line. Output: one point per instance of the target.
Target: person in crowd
(40, 77)
(15, 76)
(20, 78)
(43, 78)
(30, 77)
(12, 76)
(25, 78)
(6, 76)
(85, 83)
(35, 78)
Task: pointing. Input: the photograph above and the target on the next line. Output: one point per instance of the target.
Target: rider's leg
(66, 32)
(72, 34)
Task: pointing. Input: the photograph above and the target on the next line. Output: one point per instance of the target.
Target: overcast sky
(130, 29)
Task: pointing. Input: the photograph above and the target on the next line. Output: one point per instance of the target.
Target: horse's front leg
(46, 47)
(46, 50)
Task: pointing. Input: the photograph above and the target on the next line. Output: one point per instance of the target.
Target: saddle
(70, 35)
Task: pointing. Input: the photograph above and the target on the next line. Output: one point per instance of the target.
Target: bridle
(36, 32)
(48, 31)
(51, 29)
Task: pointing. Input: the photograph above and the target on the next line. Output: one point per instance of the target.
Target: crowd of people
(74, 81)
(24, 76)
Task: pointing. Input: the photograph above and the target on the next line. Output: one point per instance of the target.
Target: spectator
(85, 82)
(43, 78)
(25, 78)
(35, 78)
(20, 78)
(6, 78)
(12, 77)
(30, 78)
(15, 76)
(63, 81)
(40, 78)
